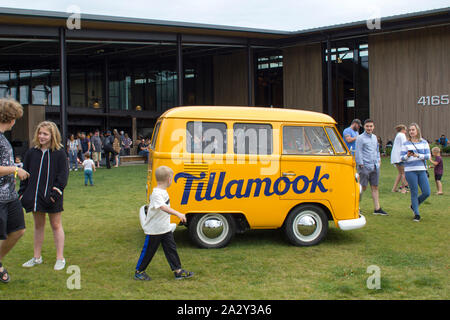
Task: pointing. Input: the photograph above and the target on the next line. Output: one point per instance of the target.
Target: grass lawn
(104, 239)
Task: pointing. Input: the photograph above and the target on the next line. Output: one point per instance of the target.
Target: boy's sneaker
(32, 262)
(183, 274)
(60, 264)
(380, 212)
(416, 218)
(141, 276)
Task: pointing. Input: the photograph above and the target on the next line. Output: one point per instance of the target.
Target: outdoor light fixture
(138, 108)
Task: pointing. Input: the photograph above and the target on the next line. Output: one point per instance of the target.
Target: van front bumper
(352, 224)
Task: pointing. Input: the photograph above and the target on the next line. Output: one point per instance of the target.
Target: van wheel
(306, 225)
(211, 230)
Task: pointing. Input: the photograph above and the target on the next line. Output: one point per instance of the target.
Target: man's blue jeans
(415, 180)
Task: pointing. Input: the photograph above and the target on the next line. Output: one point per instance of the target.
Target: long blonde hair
(419, 132)
(55, 140)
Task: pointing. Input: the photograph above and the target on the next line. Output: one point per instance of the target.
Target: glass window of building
(269, 79)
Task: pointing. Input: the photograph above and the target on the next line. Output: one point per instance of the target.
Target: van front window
(305, 140)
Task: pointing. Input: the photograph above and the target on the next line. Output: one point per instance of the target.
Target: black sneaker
(416, 218)
(141, 276)
(380, 212)
(183, 274)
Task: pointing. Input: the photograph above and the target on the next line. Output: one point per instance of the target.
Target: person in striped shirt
(415, 152)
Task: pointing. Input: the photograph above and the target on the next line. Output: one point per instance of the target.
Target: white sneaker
(32, 262)
(60, 264)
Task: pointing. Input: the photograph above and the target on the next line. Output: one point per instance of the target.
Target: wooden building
(104, 72)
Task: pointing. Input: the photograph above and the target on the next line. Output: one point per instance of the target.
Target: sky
(286, 15)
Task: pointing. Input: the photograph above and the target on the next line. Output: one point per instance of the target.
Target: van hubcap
(307, 225)
(212, 228)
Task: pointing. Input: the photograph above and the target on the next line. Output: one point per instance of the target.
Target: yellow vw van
(241, 168)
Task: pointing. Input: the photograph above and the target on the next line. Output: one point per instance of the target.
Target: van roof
(246, 113)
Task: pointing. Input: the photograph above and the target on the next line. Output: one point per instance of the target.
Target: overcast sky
(289, 15)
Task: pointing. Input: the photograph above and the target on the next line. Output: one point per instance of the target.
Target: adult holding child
(43, 192)
(12, 221)
(396, 160)
(415, 153)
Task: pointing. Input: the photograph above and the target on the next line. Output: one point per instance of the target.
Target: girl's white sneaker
(32, 262)
(60, 264)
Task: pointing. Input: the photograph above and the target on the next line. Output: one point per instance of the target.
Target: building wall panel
(231, 79)
(302, 77)
(403, 67)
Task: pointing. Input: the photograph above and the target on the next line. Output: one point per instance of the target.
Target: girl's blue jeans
(415, 180)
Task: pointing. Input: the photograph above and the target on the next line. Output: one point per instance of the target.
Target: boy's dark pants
(151, 245)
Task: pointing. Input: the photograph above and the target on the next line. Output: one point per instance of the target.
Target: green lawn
(104, 239)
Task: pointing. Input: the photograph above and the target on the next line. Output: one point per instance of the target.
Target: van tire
(211, 230)
(306, 225)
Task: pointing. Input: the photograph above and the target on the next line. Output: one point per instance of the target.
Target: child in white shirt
(89, 169)
(158, 229)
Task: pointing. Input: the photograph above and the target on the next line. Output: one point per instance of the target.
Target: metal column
(106, 92)
(329, 80)
(180, 70)
(250, 78)
(63, 85)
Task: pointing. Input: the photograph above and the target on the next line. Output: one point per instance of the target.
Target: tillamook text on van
(250, 188)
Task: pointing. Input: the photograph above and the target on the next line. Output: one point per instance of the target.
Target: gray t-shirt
(8, 182)
(97, 143)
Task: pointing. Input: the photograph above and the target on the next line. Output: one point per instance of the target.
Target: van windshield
(337, 144)
(155, 136)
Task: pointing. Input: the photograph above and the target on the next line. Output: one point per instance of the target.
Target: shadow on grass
(270, 237)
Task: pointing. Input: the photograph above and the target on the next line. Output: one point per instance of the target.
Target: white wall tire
(306, 225)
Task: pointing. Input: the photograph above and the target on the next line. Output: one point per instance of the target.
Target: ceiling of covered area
(22, 52)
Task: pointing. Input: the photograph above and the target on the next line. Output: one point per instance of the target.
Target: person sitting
(142, 149)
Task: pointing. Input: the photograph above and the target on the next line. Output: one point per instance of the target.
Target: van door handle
(286, 174)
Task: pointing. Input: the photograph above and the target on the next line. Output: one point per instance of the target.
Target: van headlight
(357, 177)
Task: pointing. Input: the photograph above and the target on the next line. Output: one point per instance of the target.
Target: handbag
(424, 161)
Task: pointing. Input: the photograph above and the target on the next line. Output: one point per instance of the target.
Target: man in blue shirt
(351, 133)
(443, 140)
(368, 161)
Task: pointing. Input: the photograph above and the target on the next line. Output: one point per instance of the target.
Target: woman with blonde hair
(400, 138)
(415, 153)
(43, 192)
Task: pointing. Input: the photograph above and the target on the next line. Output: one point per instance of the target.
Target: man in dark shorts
(12, 222)
(368, 161)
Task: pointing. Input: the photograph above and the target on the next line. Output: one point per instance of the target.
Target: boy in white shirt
(89, 168)
(158, 229)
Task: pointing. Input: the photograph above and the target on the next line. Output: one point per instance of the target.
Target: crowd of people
(99, 145)
(410, 153)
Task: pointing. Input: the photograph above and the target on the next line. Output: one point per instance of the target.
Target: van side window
(337, 144)
(251, 138)
(155, 136)
(305, 140)
(206, 137)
